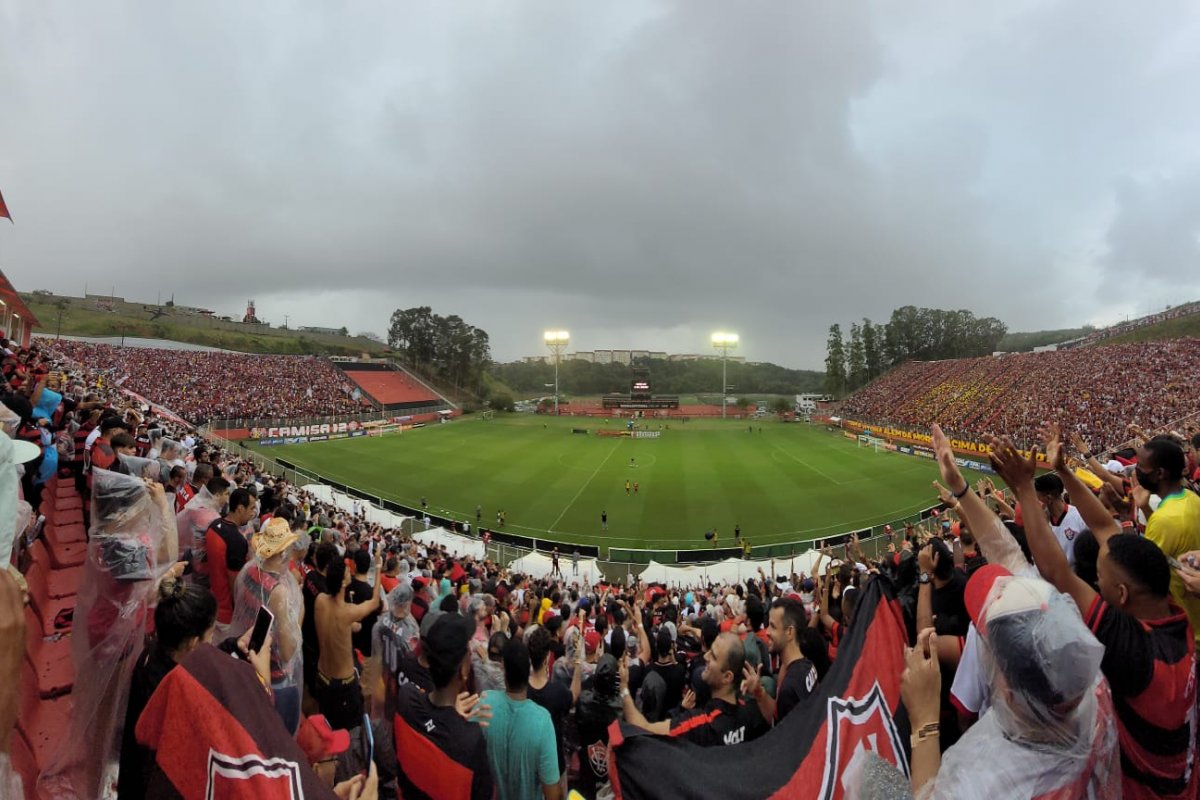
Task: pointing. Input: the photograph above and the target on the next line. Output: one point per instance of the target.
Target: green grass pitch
(791, 482)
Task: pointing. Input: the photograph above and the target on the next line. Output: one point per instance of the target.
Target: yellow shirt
(1175, 528)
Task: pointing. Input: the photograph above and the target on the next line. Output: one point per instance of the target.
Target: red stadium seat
(66, 554)
(53, 614)
(44, 723)
(59, 582)
(53, 670)
(66, 516)
(69, 503)
(62, 534)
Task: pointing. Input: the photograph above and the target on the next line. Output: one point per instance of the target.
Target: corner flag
(4, 212)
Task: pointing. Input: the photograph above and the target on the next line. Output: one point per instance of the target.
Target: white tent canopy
(389, 519)
(540, 565)
(455, 543)
(731, 570)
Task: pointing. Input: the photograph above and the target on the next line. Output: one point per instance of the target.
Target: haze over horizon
(640, 174)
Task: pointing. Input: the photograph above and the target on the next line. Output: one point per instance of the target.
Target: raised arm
(1099, 521)
(994, 540)
(1018, 471)
(357, 612)
(1097, 469)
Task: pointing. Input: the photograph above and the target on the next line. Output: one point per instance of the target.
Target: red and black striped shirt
(1151, 668)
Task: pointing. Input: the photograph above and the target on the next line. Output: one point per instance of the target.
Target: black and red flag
(4, 212)
(215, 733)
(856, 709)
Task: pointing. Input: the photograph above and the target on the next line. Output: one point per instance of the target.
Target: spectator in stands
(1149, 653)
(723, 721)
(395, 635)
(185, 616)
(1175, 525)
(520, 738)
(797, 675)
(266, 581)
(1051, 726)
(321, 555)
(556, 697)
(441, 753)
(338, 689)
(360, 591)
(226, 552)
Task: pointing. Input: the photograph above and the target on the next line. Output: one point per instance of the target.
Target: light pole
(556, 341)
(724, 342)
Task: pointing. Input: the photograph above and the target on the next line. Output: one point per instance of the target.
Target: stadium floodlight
(724, 342)
(557, 341)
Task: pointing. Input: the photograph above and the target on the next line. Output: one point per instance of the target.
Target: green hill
(74, 316)
(1025, 342)
(1179, 328)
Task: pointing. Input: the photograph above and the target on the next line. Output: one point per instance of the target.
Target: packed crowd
(1121, 328)
(1052, 631)
(203, 386)
(1095, 392)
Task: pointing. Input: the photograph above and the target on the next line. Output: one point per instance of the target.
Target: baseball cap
(979, 588)
(318, 740)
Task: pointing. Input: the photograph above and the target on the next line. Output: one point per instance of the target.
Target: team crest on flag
(273, 777)
(855, 727)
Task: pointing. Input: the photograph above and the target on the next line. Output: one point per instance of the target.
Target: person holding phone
(266, 583)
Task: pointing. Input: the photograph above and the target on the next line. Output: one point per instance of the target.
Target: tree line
(920, 334)
(443, 348)
(579, 377)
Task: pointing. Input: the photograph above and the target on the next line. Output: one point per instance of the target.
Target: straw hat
(275, 537)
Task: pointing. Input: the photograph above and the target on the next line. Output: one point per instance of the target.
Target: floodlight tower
(724, 342)
(557, 342)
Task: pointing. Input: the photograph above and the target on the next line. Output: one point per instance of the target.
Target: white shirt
(969, 687)
(91, 438)
(1066, 531)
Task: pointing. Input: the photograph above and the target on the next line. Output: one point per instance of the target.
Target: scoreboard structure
(641, 394)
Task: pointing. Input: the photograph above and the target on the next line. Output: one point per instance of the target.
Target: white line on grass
(804, 463)
(550, 528)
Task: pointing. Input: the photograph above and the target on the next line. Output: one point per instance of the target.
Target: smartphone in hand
(262, 626)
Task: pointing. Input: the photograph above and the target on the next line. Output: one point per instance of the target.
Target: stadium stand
(391, 388)
(750, 671)
(202, 386)
(1096, 392)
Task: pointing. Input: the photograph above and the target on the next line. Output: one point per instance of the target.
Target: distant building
(621, 357)
(589, 357)
(17, 320)
(604, 356)
(326, 331)
(250, 318)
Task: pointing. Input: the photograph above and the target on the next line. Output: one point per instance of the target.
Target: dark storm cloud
(641, 173)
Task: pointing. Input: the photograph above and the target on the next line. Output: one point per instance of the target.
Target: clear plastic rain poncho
(131, 546)
(255, 583)
(191, 523)
(1051, 725)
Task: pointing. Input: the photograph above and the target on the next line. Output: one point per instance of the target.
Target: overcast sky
(639, 173)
